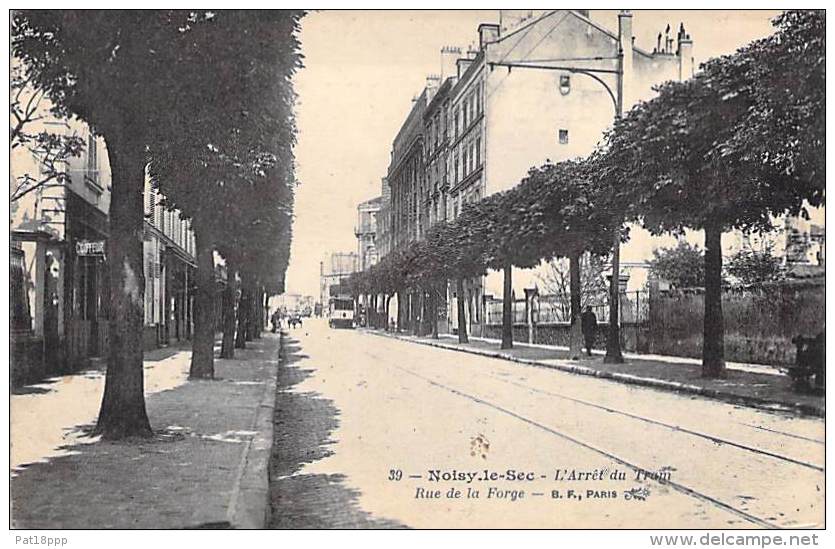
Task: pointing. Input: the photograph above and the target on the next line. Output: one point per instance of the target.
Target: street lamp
(613, 350)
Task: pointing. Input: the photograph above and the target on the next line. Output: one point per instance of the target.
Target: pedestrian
(275, 320)
(588, 321)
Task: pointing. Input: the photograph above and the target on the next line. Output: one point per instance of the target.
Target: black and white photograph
(433, 269)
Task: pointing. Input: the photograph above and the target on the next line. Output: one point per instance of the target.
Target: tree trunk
(252, 307)
(243, 313)
(202, 346)
(227, 346)
(258, 312)
(387, 307)
(507, 308)
(265, 309)
(462, 315)
(613, 351)
(400, 312)
(434, 301)
(420, 325)
(122, 413)
(713, 350)
(576, 338)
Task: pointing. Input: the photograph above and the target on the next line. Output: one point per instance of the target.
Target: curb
(750, 401)
(249, 506)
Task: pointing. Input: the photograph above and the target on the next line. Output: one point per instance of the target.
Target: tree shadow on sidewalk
(303, 426)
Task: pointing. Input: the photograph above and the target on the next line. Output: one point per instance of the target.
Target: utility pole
(613, 351)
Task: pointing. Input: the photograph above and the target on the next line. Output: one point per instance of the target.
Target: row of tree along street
(739, 143)
(201, 102)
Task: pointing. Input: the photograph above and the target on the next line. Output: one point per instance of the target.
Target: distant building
(384, 220)
(333, 270)
(366, 232)
(290, 303)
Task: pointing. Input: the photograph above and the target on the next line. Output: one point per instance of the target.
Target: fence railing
(556, 308)
(759, 324)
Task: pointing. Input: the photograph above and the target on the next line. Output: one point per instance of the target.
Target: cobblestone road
(376, 432)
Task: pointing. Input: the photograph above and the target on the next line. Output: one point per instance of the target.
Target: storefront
(86, 289)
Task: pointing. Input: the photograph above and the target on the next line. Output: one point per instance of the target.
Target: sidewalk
(747, 384)
(206, 466)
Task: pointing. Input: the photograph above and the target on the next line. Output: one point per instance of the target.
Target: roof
(578, 15)
(439, 95)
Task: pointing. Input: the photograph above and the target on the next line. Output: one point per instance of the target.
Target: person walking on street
(588, 321)
(275, 319)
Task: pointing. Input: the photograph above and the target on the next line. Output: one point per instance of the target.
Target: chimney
(685, 55)
(487, 33)
(463, 63)
(448, 56)
(625, 43)
(433, 82)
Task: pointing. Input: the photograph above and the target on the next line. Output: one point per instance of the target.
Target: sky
(362, 69)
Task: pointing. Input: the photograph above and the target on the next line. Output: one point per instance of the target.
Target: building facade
(59, 272)
(366, 232)
(59, 233)
(384, 220)
(405, 177)
(335, 269)
(516, 102)
(170, 265)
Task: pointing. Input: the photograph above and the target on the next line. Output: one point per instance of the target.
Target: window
(455, 163)
(565, 84)
(92, 160)
(92, 153)
(455, 117)
(478, 151)
(464, 168)
(480, 98)
(563, 137)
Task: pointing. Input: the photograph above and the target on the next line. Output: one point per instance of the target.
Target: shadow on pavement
(303, 426)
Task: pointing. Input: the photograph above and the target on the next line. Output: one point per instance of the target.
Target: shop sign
(90, 248)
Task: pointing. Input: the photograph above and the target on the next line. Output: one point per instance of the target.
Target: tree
(681, 154)
(750, 267)
(237, 102)
(682, 266)
(465, 250)
(127, 74)
(579, 222)
(103, 67)
(555, 280)
(28, 130)
(783, 132)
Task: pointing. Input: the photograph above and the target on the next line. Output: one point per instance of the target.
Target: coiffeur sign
(90, 248)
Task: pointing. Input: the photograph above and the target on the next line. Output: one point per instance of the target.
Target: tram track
(676, 428)
(679, 487)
